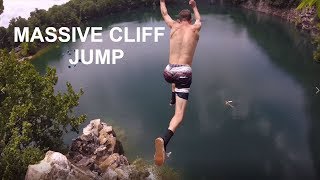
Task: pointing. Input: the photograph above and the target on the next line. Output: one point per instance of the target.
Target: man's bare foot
(160, 153)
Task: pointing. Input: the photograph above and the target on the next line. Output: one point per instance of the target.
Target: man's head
(185, 15)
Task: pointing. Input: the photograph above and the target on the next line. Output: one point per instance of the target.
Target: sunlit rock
(93, 127)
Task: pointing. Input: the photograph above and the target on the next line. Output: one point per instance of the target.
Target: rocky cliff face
(305, 19)
(96, 154)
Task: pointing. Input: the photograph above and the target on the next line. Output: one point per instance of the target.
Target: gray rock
(85, 162)
(101, 151)
(110, 161)
(92, 128)
(122, 175)
(110, 174)
(55, 166)
(104, 133)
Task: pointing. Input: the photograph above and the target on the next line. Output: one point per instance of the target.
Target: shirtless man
(184, 37)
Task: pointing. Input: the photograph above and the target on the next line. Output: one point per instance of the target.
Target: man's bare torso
(183, 41)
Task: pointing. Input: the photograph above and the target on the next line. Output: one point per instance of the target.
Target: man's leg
(182, 77)
(176, 120)
(168, 76)
(173, 95)
(162, 142)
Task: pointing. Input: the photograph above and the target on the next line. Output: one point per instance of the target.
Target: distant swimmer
(184, 38)
(229, 103)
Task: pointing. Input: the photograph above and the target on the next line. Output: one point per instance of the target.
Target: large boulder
(96, 154)
(56, 166)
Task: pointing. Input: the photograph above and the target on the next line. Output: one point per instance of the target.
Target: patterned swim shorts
(181, 76)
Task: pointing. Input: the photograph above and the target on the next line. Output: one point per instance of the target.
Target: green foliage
(310, 3)
(39, 18)
(167, 173)
(15, 22)
(162, 173)
(1, 6)
(33, 117)
(316, 53)
(4, 40)
(88, 9)
(306, 3)
(316, 40)
(25, 49)
(62, 16)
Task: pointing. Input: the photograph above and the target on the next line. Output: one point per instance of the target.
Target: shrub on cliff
(316, 39)
(310, 3)
(275, 3)
(162, 172)
(32, 116)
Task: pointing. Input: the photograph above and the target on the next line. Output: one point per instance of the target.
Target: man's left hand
(192, 3)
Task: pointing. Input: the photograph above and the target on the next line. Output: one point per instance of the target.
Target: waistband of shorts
(179, 65)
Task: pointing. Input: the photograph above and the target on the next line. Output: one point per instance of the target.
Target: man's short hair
(185, 15)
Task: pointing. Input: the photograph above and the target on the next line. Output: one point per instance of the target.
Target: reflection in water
(256, 61)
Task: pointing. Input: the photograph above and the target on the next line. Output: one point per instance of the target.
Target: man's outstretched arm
(165, 14)
(197, 16)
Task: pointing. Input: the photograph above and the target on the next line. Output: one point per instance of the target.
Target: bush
(33, 117)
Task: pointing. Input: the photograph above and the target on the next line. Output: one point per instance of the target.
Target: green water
(259, 62)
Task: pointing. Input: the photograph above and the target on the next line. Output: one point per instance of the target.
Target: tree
(24, 49)
(88, 9)
(63, 16)
(33, 117)
(39, 18)
(1, 6)
(3, 38)
(15, 22)
(3, 31)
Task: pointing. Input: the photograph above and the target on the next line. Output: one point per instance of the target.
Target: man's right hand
(192, 3)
